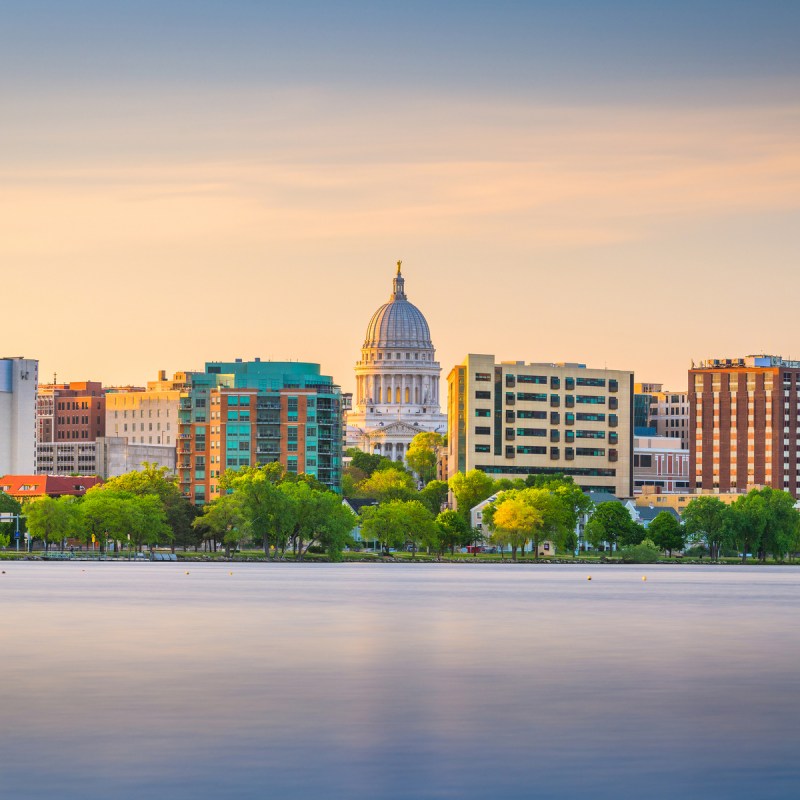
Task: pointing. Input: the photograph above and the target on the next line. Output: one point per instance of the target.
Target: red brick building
(744, 415)
(71, 411)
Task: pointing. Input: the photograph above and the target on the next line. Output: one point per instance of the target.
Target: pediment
(395, 429)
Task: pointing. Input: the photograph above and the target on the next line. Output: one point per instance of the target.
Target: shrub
(644, 553)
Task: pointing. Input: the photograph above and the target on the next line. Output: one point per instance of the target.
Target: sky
(614, 183)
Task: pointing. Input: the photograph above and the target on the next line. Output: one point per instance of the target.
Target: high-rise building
(512, 419)
(247, 413)
(397, 380)
(745, 433)
(69, 418)
(19, 378)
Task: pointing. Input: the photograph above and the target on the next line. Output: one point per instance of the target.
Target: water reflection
(427, 681)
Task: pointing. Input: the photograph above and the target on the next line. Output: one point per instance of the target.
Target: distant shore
(371, 558)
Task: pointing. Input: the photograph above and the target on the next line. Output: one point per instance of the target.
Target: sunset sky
(616, 183)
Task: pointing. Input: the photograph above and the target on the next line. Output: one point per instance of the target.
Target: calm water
(372, 681)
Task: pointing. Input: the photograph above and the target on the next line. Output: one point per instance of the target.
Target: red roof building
(26, 487)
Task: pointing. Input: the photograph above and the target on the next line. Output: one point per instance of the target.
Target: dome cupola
(398, 323)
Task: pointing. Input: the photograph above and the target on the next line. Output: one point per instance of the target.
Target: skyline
(211, 181)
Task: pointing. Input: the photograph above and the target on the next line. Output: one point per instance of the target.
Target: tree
(155, 480)
(422, 454)
(384, 523)
(434, 495)
(332, 524)
(389, 484)
(100, 515)
(470, 489)
(747, 522)
(782, 520)
(266, 510)
(666, 532)
(8, 505)
(706, 520)
(223, 520)
(608, 522)
(51, 519)
(397, 522)
(512, 521)
(453, 530)
(367, 463)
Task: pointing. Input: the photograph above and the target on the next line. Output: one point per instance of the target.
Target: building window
(483, 412)
(482, 448)
(483, 376)
(483, 395)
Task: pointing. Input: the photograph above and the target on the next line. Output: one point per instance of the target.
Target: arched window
(416, 395)
(408, 395)
(397, 395)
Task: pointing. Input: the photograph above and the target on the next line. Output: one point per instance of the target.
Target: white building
(397, 380)
(19, 378)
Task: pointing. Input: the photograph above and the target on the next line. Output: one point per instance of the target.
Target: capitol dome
(398, 323)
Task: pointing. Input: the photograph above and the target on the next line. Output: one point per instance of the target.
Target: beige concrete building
(512, 419)
(142, 425)
(148, 416)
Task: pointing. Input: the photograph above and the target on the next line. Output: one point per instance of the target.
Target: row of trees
(763, 522)
(278, 510)
(140, 508)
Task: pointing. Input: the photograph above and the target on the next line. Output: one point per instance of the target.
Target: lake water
(398, 681)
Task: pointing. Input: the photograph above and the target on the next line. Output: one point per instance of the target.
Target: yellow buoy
(589, 578)
(230, 573)
(644, 577)
(187, 572)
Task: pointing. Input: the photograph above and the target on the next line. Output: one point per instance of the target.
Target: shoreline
(199, 558)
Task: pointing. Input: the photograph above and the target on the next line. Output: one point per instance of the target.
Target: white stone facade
(397, 380)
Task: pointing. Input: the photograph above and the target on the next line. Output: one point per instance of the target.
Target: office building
(512, 419)
(248, 413)
(744, 414)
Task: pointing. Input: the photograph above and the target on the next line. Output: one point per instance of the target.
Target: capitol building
(397, 380)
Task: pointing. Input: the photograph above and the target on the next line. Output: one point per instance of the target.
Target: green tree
(434, 495)
(453, 530)
(608, 523)
(666, 532)
(155, 480)
(748, 521)
(367, 463)
(398, 522)
(781, 523)
(422, 455)
(706, 521)
(470, 489)
(223, 521)
(51, 519)
(267, 511)
(101, 514)
(389, 484)
(8, 505)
